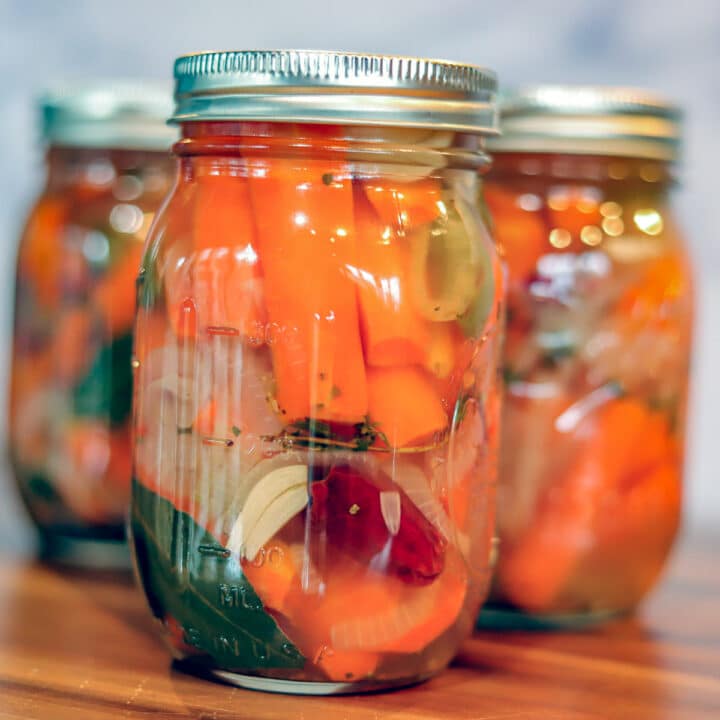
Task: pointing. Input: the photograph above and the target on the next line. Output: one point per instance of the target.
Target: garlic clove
(276, 498)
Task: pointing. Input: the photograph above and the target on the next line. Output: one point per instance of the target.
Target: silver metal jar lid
(115, 115)
(335, 87)
(589, 120)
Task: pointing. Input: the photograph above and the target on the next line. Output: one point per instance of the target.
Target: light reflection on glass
(648, 220)
(530, 202)
(125, 218)
(591, 235)
(611, 209)
(560, 238)
(613, 226)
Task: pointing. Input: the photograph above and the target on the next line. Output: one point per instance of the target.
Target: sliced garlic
(270, 505)
(391, 509)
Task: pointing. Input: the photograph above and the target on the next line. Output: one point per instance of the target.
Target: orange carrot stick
(304, 215)
(115, 293)
(404, 405)
(227, 270)
(392, 331)
(41, 250)
(72, 345)
(221, 272)
(404, 205)
(625, 448)
(521, 234)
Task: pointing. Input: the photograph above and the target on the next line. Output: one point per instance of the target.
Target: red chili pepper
(347, 506)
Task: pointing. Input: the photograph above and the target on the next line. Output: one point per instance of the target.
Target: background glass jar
(316, 410)
(108, 167)
(597, 350)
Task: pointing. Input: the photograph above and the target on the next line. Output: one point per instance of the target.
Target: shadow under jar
(597, 352)
(108, 168)
(316, 408)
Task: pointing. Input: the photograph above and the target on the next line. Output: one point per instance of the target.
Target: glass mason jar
(108, 167)
(597, 350)
(316, 358)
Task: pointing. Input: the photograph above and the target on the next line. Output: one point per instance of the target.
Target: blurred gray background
(672, 47)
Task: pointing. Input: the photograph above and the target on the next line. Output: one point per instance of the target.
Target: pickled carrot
(72, 349)
(663, 283)
(393, 333)
(442, 347)
(404, 405)
(451, 385)
(304, 215)
(151, 332)
(346, 665)
(221, 271)
(404, 205)
(41, 250)
(119, 470)
(204, 423)
(448, 599)
(521, 234)
(390, 618)
(114, 294)
(272, 575)
(227, 268)
(624, 451)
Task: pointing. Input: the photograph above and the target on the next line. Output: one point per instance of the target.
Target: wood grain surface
(82, 646)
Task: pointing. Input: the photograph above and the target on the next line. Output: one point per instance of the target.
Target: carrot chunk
(404, 405)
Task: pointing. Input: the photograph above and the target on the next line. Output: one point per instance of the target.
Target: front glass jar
(597, 353)
(71, 379)
(316, 405)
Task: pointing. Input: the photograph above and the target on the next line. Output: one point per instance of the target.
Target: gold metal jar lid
(589, 120)
(335, 87)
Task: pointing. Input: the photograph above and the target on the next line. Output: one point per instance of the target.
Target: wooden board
(82, 646)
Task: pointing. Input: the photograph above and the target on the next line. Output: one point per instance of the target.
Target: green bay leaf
(205, 592)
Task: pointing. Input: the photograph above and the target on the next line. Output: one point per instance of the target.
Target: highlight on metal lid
(335, 87)
(589, 120)
(113, 114)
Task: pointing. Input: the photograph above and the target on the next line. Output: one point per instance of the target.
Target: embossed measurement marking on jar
(218, 330)
(214, 551)
(237, 596)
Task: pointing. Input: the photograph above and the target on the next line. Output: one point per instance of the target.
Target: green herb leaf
(327, 178)
(235, 430)
(206, 592)
(106, 389)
